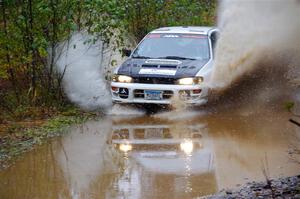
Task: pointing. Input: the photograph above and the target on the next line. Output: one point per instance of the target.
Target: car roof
(204, 30)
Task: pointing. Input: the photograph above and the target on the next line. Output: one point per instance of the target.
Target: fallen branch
(295, 122)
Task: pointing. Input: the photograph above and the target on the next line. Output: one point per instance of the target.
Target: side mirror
(126, 52)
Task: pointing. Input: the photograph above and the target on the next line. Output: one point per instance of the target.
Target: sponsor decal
(153, 36)
(192, 36)
(155, 71)
(171, 36)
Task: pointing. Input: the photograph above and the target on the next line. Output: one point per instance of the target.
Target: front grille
(139, 93)
(167, 94)
(154, 80)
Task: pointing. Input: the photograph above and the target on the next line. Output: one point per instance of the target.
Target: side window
(214, 38)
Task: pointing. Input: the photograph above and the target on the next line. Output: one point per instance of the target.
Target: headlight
(187, 146)
(190, 80)
(125, 147)
(122, 79)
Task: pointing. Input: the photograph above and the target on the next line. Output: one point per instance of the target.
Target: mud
(167, 155)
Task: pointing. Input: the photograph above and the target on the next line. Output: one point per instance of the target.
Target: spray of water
(122, 110)
(254, 31)
(84, 61)
(79, 60)
(258, 50)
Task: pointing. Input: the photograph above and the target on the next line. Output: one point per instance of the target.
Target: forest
(32, 29)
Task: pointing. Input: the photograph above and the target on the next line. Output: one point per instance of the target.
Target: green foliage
(289, 106)
(20, 139)
(144, 16)
(30, 30)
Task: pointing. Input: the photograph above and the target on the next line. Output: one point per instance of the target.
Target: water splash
(79, 60)
(253, 32)
(257, 56)
(122, 110)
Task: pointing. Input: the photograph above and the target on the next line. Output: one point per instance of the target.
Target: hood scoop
(162, 62)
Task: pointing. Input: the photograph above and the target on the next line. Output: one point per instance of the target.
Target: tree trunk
(10, 69)
(33, 52)
(53, 39)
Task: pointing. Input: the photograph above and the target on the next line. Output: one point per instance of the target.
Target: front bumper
(135, 93)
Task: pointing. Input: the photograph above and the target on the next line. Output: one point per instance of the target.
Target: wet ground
(167, 155)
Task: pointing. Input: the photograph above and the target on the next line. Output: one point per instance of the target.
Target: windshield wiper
(141, 57)
(176, 57)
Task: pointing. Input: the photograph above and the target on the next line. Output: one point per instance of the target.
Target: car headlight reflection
(190, 80)
(187, 146)
(122, 78)
(125, 147)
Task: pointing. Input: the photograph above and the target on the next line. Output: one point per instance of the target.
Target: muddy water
(169, 155)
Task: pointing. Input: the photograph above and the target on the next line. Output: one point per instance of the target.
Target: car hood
(161, 67)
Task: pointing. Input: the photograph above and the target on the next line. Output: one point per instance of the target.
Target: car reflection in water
(168, 160)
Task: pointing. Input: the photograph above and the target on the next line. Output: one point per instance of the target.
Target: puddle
(155, 157)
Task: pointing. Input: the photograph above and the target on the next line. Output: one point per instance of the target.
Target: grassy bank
(33, 127)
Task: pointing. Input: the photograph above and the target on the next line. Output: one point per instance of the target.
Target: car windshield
(173, 46)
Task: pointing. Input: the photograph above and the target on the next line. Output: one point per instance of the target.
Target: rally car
(170, 62)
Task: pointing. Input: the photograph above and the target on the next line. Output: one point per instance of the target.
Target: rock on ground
(280, 188)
